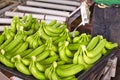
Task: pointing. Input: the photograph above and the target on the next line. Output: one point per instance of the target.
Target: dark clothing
(106, 22)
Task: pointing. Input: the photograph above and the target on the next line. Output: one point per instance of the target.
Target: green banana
(6, 61)
(35, 72)
(37, 51)
(53, 22)
(53, 29)
(49, 33)
(48, 72)
(63, 56)
(6, 43)
(13, 43)
(25, 52)
(75, 58)
(110, 45)
(54, 75)
(92, 44)
(70, 71)
(23, 47)
(65, 66)
(57, 25)
(97, 49)
(35, 43)
(74, 46)
(69, 53)
(10, 53)
(76, 39)
(21, 67)
(40, 67)
(104, 51)
(43, 55)
(81, 61)
(2, 39)
(26, 61)
(41, 31)
(91, 60)
(50, 59)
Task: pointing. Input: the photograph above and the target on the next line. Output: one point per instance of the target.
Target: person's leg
(113, 24)
(98, 25)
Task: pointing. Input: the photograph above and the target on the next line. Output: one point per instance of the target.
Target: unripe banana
(54, 75)
(81, 61)
(64, 57)
(21, 67)
(91, 60)
(110, 45)
(53, 22)
(49, 60)
(35, 43)
(37, 51)
(23, 47)
(6, 61)
(70, 71)
(26, 61)
(35, 72)
(47, 71)
(40, 67)
(65, 66)
(76, 39)
(2, 38)
(43, 55)
(51, 34)
(41, 31)
(15, 42)
(75, 58)
(97, 49)
(69, 53)
(6, 42)
(92, 44)
(104, 51)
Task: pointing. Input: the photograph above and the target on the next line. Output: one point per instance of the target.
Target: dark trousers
(106, 22)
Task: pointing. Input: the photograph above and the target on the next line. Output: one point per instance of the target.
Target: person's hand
(89, 2)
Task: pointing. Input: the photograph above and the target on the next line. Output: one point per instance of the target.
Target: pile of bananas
(49, 51)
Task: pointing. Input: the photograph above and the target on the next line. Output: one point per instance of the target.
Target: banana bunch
(82, 39)
(34, 40)
(6, 61)
(79, 59)
(90, 57)
(97, 50)
(64, 52)
(20, 66)
(56, 32)
(50, 50)
(35, 71)
(50, 72)
(8, 33)
(109, 46)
